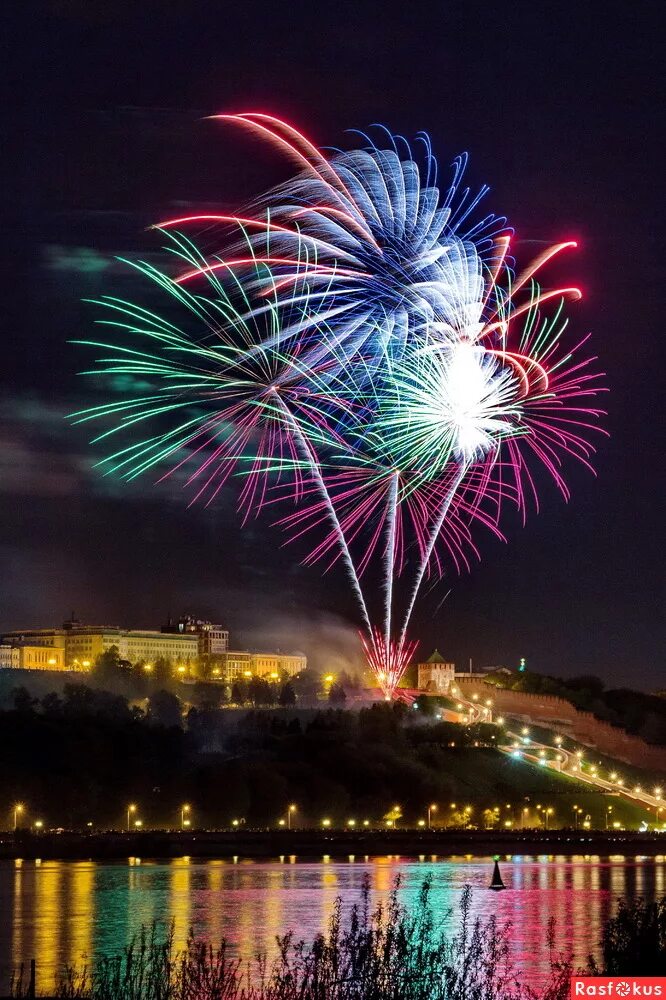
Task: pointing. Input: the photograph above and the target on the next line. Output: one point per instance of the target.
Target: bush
(634, 941)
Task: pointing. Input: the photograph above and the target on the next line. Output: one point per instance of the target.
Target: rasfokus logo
(627, 986)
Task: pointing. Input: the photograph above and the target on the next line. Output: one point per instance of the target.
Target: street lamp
(130, 809)
(18, 809)
(292, 809)
(431, 809)
(185, 820)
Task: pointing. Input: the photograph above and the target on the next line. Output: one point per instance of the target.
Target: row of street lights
(185, 817)
(390, 820)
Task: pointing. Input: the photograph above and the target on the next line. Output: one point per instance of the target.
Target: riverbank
(315, 844)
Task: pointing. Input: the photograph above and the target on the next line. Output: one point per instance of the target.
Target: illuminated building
(86, 644)
(436, 676)
(194, 647)
(25, 656)
(9, 656)
(77, 646)
(213, 640)
(272, 666)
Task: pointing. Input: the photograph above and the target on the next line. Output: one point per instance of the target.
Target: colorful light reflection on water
(66, 912)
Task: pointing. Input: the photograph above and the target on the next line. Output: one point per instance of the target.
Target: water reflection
(63, 912)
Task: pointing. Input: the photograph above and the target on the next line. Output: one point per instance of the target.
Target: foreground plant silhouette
(390, 952)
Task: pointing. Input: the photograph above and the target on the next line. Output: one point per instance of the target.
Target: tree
(78, 699)
(52, 704)
(239, 692)
(23, 700)
(426, 704)
(165, 709)
(337, 695)
(287, 696)
(107, 665)
(162, 671)
(259, 692)
(490, 817)
(307, 686)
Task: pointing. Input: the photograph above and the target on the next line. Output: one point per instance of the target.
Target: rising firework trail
(357, 341)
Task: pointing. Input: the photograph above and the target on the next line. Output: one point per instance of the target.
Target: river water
(68, 912)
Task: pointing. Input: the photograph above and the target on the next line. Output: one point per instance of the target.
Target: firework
(358, 344)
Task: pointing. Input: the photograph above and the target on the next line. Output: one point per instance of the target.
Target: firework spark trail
(392, 514)
(313, 465)
(434, 535)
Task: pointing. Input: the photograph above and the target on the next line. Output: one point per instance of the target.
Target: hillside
(249, 766)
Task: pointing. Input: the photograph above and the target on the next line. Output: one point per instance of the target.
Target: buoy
(496, 883)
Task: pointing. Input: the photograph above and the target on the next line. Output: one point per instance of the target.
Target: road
(522, 745)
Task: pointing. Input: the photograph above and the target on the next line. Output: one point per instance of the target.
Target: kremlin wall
(549, 710)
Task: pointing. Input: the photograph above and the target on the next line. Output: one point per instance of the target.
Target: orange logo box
(618, 986)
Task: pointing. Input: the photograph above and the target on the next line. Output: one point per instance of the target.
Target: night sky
(558, 106)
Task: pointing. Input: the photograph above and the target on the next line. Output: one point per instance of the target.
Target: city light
(326, 822)
(185, 811)
(18, 809)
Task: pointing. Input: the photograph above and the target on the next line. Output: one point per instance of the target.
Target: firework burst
(358, 342)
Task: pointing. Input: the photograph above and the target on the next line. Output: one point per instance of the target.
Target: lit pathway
(523, 746)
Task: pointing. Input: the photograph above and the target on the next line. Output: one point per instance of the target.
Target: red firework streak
(388, 662)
